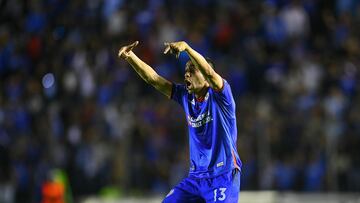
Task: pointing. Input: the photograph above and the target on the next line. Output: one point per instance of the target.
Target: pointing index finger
(131, 46)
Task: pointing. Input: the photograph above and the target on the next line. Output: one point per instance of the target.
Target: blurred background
(70, 109)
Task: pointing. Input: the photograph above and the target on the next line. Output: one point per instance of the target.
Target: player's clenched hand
(124, 51)
(175, 47)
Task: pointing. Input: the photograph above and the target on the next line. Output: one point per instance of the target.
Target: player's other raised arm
(147, 73)
(214, 79)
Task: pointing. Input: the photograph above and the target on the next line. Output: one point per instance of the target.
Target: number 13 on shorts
(219, 194)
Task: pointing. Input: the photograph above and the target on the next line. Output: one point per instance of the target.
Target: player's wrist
(128, 57)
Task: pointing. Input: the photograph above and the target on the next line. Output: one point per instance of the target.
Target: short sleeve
(225, 96)
(177, 93)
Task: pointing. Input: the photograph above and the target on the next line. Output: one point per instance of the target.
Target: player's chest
(199, 113)
(196, 106)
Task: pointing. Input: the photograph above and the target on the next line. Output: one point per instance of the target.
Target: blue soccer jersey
(212, 130)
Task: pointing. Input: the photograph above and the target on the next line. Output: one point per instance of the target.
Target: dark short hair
(210, 62)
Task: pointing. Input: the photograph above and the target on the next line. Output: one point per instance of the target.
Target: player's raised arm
(214, 79)
(147, 73)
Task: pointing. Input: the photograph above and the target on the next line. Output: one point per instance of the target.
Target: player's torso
(200, 116)
(209, 139)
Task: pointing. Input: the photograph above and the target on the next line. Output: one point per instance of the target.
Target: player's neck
(201, 93)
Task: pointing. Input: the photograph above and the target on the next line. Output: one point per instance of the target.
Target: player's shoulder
(225, 85)
(178, 90)
(178, 85)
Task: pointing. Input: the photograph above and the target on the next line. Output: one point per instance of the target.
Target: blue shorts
(224, 188)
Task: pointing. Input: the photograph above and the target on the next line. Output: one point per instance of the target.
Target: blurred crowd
(67, 102)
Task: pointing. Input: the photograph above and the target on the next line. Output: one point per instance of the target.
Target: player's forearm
(147, 73)
(204, 67)
(199, 61)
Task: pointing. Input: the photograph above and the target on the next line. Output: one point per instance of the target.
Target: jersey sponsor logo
(201, 120)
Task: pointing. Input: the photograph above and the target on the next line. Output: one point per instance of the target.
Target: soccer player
(209, 106)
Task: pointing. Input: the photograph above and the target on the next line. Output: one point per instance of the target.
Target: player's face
(194, 80)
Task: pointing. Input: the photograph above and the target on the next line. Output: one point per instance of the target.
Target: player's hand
(175, 47)
(124, 52)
